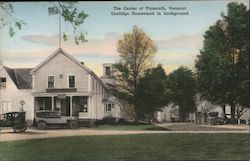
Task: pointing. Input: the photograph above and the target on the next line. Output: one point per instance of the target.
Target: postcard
(124, 80)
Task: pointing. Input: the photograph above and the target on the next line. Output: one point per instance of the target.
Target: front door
(63, 105)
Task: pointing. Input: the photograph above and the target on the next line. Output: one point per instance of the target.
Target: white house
(168, 113)
(15, 90)
(171, 111)
(59, 83)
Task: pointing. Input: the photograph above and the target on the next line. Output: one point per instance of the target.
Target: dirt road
(7, 134)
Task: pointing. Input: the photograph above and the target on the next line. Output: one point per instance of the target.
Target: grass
(131, 147)
(129, 126)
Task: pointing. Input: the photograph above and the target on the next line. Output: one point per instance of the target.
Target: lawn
(129, 126)
(131, 147)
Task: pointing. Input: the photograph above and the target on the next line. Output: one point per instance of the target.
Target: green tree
(136, 51)
(180, 90)
(223, 63)
(151, 92)
(66, 9)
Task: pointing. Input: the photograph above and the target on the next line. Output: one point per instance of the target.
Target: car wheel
(17, 129)
(24, 128)
(41, 125)
(73, 124)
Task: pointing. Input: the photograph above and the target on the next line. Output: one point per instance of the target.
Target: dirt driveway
(7, 134)
(186, 126)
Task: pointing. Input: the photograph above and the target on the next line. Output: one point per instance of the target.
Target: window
(6, 106)
(50, 81)
(2, 82)
(71, 81)
(84, 105)
(80, 104)
(108, 71)
(108, 107)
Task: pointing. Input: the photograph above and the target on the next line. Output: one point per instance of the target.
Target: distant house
(170, 112)
(59, 83)
(205, 106)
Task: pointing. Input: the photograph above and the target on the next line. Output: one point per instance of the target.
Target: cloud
(105, 45)
(12, 54)
(172, 52)
(41, 39)
(185, 41)
(176, 55)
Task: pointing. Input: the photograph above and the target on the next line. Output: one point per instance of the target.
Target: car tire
(24, 128)
(41, 125)
(17, 129)
(73, 124)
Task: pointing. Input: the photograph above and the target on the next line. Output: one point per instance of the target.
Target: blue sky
(178, 38)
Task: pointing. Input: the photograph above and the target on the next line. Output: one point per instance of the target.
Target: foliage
(7, 19)
(67, 9)
(223, 63)
(180, 90)
(213, 68)
(136, 51)
(151, 92)
(76, 18)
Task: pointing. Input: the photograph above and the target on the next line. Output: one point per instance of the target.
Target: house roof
(20, 76)
(60, 50)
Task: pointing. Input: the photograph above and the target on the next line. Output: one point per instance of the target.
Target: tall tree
(180, 90)
(136, 51)
(152, 93)
(223, 63)
(66, 9)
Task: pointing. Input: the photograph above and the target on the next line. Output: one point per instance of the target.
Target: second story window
(108, 71)
(50, 81)
(2, 82)
(108, 107)
(71, 81)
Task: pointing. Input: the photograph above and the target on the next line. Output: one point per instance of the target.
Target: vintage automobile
(46, 118)
(16, 120)
(213, 119)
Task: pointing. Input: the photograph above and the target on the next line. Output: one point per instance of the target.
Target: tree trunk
(224, 108)
(224, 116)
(233, 111)
(182, 115)
(136, 114)
(135, 98)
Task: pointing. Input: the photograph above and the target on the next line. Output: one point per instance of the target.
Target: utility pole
(60, 37)
(54, 11)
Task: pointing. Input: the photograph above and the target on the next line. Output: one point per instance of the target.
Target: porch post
(52, 101)
(70, 105)
(90, 106)
(115, 111)
(32, 109)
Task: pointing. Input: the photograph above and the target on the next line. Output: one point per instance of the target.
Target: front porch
(69, 105)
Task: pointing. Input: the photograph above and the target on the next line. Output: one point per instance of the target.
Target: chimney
(82, 63)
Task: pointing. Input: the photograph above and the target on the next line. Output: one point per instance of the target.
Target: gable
(61, 64)
(55, 54)
(21, 77)
(55, 59)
